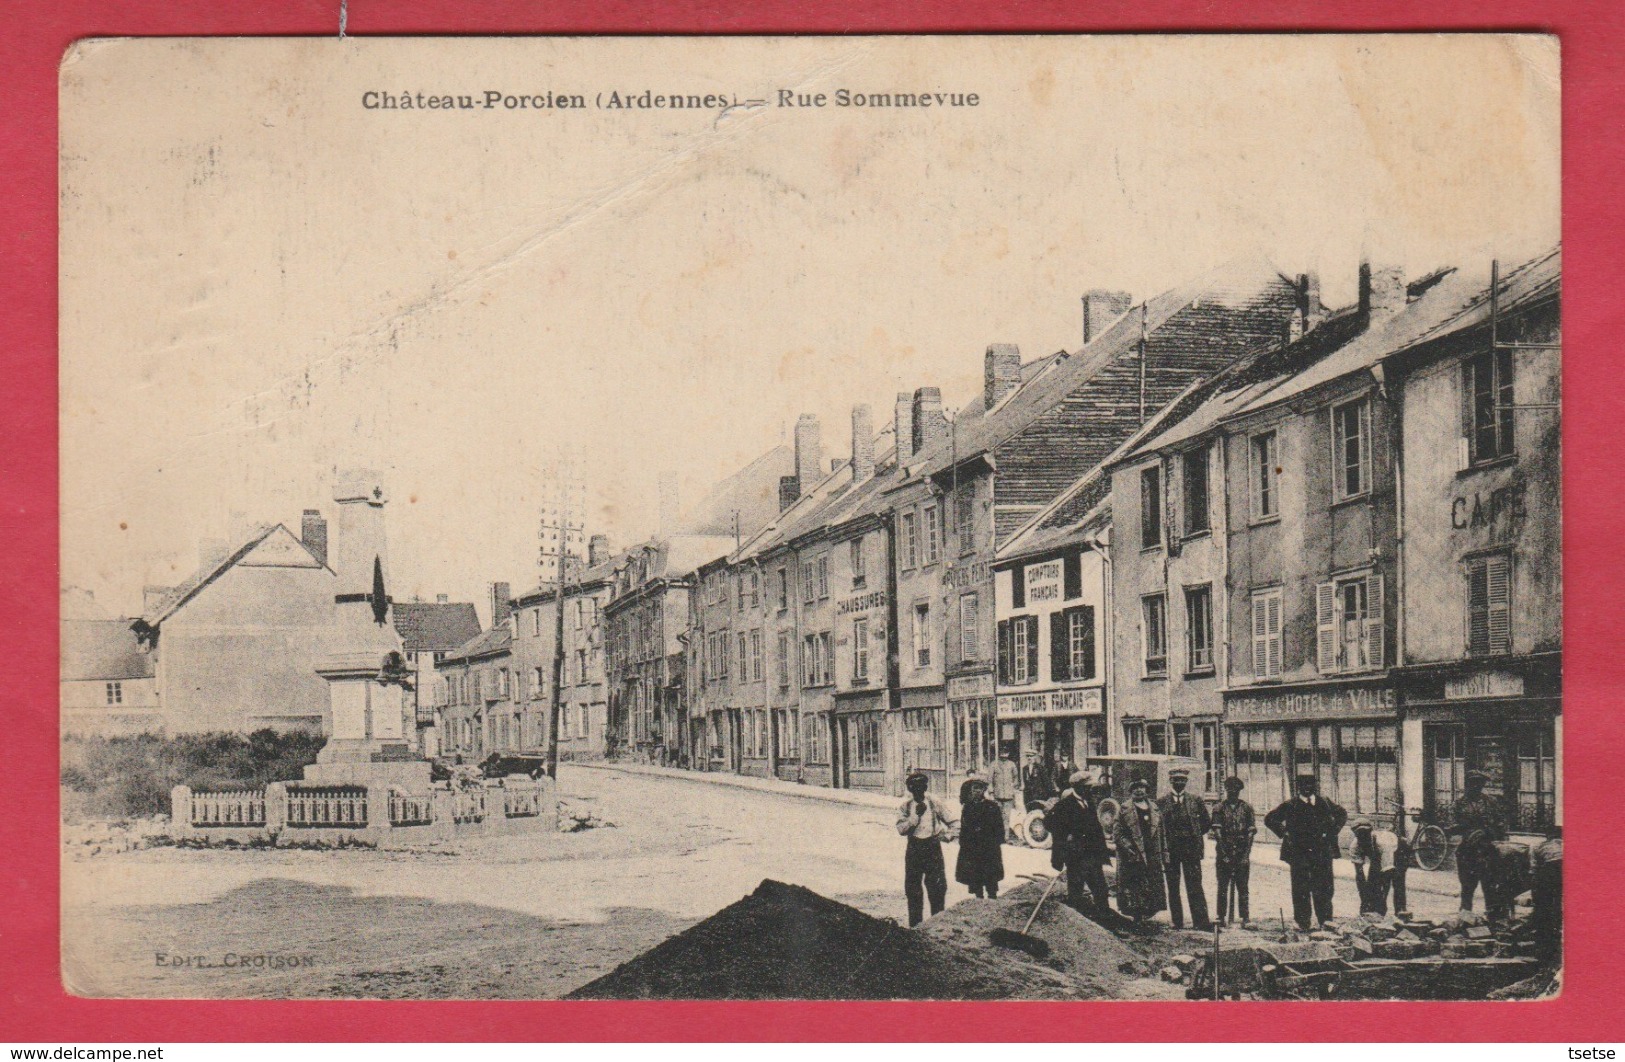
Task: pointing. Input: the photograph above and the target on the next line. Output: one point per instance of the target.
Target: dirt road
(523, 917)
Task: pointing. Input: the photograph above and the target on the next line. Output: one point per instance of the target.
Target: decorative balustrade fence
(468, 805)
(522, 803)
(406, 809)
(330, 806)
(228, 807)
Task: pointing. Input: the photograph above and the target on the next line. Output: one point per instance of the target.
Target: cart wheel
(1037, 830)
(1431, 848)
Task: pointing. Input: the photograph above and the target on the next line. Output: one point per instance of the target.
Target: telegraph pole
(567, 489)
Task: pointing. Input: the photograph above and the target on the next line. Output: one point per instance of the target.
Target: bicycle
(1427, 844)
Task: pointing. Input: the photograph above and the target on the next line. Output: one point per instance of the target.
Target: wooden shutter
(1272, 619)
(1498, 578)
(1018, 587)
(1072, 572)
(1326, 628)
(1374, 647)
(1032, 647)
(1004, 652)
(1060, 647)
(1261, 636)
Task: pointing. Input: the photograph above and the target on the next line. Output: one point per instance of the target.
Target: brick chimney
(598, 550)
(809, 452)
(903, 427)
(930, 425)
(442, 599)
(863, 444)
(1001, 373)
(501, 604)
(1101, 308)
(1382, 291)
(789, 491)
(313, 533)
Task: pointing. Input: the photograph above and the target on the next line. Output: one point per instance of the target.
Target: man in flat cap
(1185, 825)
(1308, 826)
(1234, 828)
(1080, 845)
(1479, 823)
(1375, 855)
(926, 822)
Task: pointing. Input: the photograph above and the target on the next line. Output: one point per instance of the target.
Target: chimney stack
(809, 452)
(597, 550)
(668, 504)
(1001, 373)
(903, 427)
(442, 599)
(789, 491)
(313, 533)
(930, 425)
(863, 444)
(501, 604)
(1100, 309)
(1382, 291)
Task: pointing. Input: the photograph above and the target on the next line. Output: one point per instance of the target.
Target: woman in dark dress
(981, 839)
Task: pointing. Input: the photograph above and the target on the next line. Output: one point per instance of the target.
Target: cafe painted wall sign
(1049, 704)
(1312, 704)
(1502, 507)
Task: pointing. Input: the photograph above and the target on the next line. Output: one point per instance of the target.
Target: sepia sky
(263, 281)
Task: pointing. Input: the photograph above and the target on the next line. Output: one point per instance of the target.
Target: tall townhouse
(1006, 456)
(583, 703)
(429, 630)
(712, 628)
(1172, 633)
(483, 709)
(646, 622)
(1054, 621)
(1481, 632)
(1315, 549)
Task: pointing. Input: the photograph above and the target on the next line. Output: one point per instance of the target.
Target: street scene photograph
(778, 518)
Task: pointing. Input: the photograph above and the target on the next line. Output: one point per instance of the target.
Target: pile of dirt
(1083, 950)
(786, 942)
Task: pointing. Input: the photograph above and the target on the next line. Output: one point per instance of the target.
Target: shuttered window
(1018, 587)
(1489, 605)
(1266, 634)
(860, 650)
(1151, 507)
(1349, 625)
(1072, 644)
(1072, 567)
(1154, 633)
(969, 619)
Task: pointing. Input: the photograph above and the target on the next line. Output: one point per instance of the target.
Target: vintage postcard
(812, 518)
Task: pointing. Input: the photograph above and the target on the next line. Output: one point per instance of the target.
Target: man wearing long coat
(1308, 826)
(1141, 855)
(1080, 846)
(1185, 824)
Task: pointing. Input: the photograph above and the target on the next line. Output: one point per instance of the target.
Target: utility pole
(569, 495)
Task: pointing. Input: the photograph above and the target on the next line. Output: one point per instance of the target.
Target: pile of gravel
(1080, 948)
(786, 942)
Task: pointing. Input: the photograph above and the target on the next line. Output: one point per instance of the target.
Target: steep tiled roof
(497, 640)
(434, 626)
(1235, 286)
(1453, 304)
(205, 575)
(102, 650)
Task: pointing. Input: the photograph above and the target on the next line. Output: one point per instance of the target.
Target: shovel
(1034, 946)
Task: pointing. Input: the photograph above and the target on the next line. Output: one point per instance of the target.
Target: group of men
(1161, 845)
